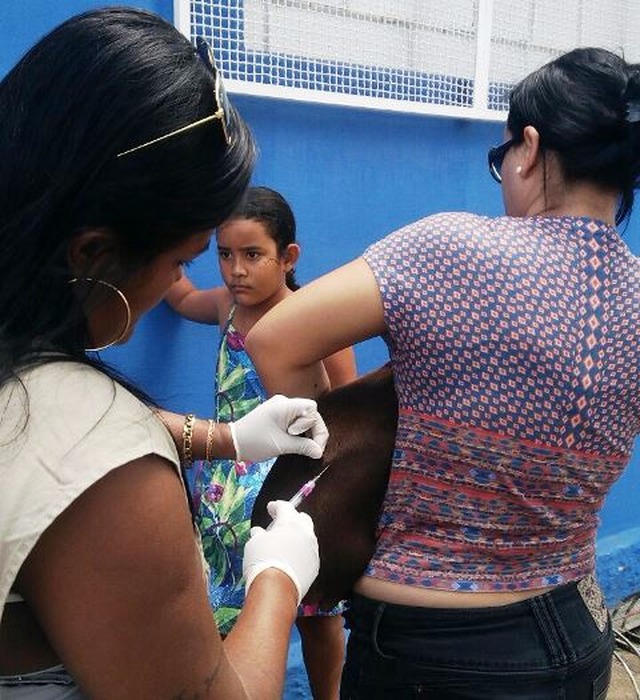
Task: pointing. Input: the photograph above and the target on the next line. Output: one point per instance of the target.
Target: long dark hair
(586, 107)
(101, 83)
(272, 210)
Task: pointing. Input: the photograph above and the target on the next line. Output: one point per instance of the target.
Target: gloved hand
(289, 544)
(274, 427)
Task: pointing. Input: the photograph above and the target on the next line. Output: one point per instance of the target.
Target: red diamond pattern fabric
(515, 344)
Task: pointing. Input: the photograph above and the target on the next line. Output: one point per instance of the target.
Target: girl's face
(252, 268)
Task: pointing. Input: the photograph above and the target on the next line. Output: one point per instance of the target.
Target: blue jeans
(547, 647)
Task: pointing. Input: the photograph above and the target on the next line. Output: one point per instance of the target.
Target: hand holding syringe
(303, 491)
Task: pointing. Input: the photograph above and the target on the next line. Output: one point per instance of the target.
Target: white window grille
(447, 57)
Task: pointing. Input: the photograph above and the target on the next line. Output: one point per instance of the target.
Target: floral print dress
(224, 491)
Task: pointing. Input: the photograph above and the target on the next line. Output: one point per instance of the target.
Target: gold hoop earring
(127, 308)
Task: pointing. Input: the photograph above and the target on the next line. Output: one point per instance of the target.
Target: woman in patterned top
(515, 344)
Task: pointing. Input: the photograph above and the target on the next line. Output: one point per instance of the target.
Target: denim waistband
(55, 675)
(558, 628)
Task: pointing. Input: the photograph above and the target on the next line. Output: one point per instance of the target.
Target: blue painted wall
(23, 22)
(351, 176)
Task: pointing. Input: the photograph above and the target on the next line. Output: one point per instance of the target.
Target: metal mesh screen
(526, 34)
(457, 57)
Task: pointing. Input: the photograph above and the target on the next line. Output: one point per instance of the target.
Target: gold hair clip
(223, 111)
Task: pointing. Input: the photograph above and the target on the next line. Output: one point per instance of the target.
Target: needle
(303, 492)
(305, 489)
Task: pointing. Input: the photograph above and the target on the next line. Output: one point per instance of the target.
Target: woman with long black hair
(120, 154)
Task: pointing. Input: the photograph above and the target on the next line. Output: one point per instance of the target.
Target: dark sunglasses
(223, 110)
(495, 156)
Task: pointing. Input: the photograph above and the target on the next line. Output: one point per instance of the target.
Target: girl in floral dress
(257, 253)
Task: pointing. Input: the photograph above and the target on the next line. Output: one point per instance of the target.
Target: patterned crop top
(515, 344)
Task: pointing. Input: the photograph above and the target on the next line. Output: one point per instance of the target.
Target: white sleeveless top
(64, 428)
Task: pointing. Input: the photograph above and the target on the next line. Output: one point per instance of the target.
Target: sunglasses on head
(495, 156)
(222, 111)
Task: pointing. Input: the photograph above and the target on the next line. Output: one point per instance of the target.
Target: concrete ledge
(618, 565)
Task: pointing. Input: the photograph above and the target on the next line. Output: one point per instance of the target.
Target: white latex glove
(276, 426)
(289, 544)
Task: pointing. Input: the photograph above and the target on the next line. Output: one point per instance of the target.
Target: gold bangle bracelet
(208, 447)
(187, 439)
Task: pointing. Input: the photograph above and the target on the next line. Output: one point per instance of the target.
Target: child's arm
(341, 367)
(201, 305)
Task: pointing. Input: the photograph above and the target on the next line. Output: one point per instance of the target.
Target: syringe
(305, 489)
(303, 492)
